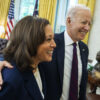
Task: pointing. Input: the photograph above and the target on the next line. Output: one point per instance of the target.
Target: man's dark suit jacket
(21, 85)
(55, 69)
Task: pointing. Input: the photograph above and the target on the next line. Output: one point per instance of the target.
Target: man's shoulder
(83, 44)
(59, 35)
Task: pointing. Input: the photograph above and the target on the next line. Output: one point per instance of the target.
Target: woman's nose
(53, 44)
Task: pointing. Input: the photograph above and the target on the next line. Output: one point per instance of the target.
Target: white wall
(94, 38)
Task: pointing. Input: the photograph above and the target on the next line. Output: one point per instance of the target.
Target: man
(58, 72)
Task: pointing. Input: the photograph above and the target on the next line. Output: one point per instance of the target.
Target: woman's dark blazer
(21, 85)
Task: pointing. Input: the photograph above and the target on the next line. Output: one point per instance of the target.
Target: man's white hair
(73, 10)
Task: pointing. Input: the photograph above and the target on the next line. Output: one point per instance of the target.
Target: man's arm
(2, 65)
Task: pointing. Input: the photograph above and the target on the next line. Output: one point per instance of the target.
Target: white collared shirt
(68, 66)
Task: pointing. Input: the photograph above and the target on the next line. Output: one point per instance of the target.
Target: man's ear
(68, 20)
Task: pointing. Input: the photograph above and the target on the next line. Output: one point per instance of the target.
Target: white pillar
(94, 38)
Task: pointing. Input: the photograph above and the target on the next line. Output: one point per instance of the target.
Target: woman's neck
(35, 64)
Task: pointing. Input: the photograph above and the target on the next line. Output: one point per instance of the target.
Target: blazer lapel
(31, 85)
(60, 56)
(43, 80)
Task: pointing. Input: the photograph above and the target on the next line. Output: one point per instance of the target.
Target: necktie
(73, 90)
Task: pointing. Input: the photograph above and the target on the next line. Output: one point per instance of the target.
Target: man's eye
(84, 22)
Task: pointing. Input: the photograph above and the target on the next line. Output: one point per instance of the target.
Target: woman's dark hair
(25, 39)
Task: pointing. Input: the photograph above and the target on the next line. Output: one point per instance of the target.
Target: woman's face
(45, 50)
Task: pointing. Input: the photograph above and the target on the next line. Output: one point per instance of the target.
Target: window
(60, 19)
(26, 8)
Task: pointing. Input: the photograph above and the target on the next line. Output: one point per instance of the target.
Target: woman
(31, 42)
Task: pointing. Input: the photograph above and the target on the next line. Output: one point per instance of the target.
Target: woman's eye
(49, 39)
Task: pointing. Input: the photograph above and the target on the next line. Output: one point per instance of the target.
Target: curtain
(4, 8)
(60, 20)
(91, 5)
(47, 9)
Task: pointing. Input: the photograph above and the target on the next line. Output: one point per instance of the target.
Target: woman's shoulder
(12, 75)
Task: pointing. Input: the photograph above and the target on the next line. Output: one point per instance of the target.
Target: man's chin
(82, 38)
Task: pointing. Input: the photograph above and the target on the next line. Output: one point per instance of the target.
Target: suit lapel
(31, 85)
(60, 56)
(83, 54)
(84, 59)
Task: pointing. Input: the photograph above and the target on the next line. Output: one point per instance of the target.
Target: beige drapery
(47, 9)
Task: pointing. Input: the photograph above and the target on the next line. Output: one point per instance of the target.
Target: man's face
(79, 25)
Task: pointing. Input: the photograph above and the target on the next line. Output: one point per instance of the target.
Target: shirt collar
(68, 40)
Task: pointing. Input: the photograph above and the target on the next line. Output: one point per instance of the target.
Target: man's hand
(2, 65)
